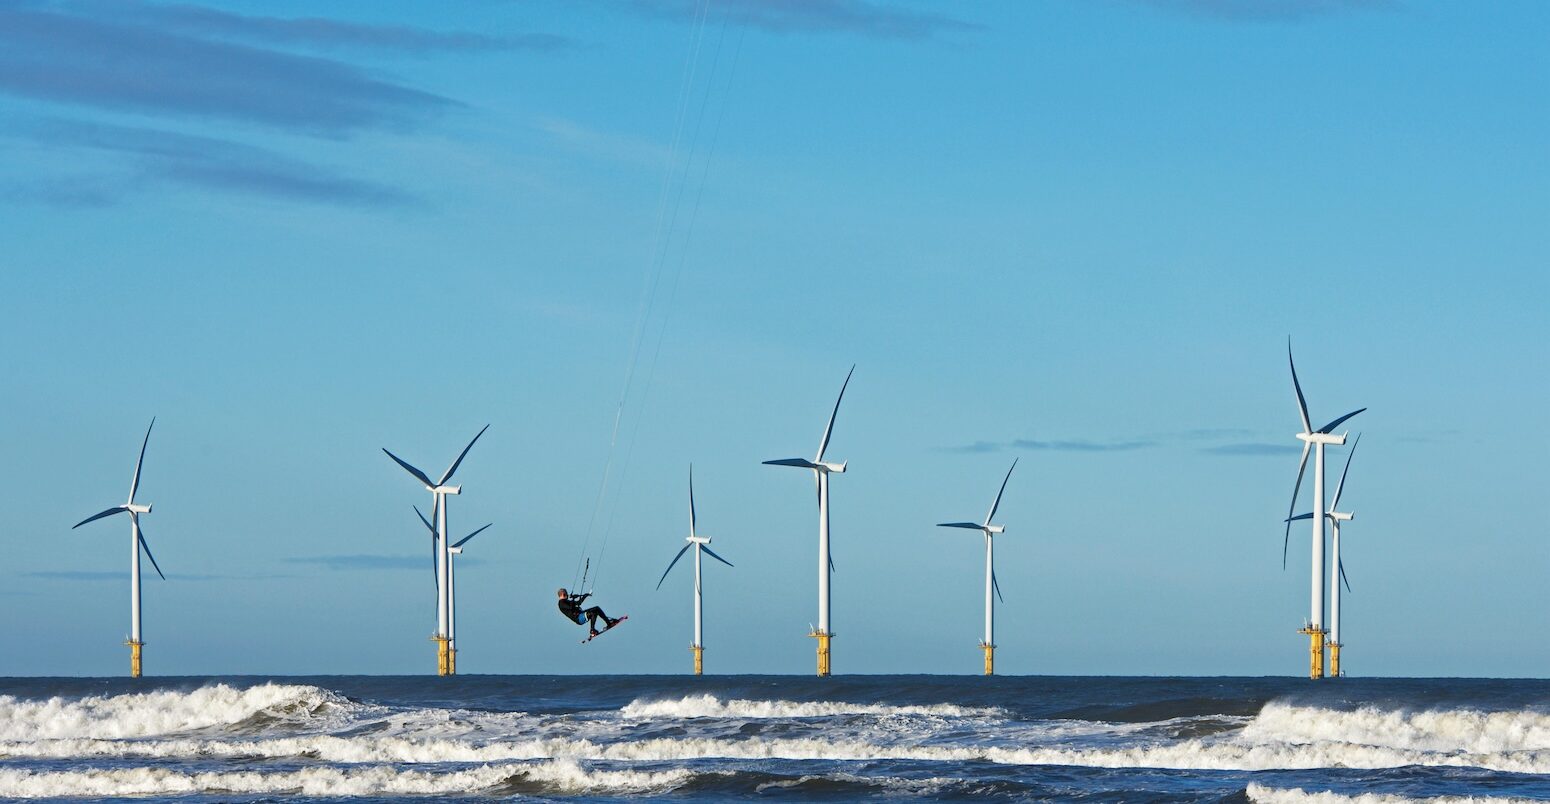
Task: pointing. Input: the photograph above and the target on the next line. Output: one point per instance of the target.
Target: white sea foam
(710, 706)
(1445, 730)
(559, 776)
(1270, 795)
(155, 713)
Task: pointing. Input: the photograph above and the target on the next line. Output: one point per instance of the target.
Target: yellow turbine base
(699, 659)
(1315, 651)
(134, 657)
(452, 661)
(1334, 660)
(823, 651)
(990, 658)
(443, 655)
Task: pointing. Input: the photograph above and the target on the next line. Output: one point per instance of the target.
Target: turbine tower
(455, 550)
(136, 544)
(1336, 516)
(988, 645)
(446, 660)
(822, 471)
(699, 543)
(1316, 440)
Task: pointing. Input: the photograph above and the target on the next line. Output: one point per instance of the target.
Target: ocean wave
(1193, 754)
(1270, 795)
(710, 706)
(146, 714)
(540, 778)
(1461, 730)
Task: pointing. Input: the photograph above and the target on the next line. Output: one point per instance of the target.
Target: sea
(726, 738)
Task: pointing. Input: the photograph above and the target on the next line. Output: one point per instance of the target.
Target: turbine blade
(1301, 466)
(135, 483)
(691, 499)
(1339, 487)
(831, 563)
(718, 558)
(470, 536)
(117, 509)
(829, 430)
(461, 455)
(965, 525)
(997, 503)
(419, 475)
(147, 549)
(426, 522)
(995, 583)
(802, 462)
(1343, 578)
(1308, 515)
(670, 564)
(1328, 428)
(1302, 404)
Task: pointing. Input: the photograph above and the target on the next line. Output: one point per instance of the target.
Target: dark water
(776, 737)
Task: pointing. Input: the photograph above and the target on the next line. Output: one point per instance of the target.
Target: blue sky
(1075, 233)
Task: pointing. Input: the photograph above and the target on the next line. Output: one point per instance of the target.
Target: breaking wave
(161, 712)
(1446, 730)
(710, 706)
(546, 777)
(1260, 794)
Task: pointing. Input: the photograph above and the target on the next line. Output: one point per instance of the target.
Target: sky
(640, 234)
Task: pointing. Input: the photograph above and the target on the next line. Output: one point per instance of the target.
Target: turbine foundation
(134, 657)
(823, 651)
(443, 655)
(699, 659)
(990, 658)
(1315, 651)
(1334, 659)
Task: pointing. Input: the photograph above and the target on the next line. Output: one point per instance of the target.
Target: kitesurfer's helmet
(561, 592)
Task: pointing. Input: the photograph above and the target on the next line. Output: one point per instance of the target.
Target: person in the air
(570, 606)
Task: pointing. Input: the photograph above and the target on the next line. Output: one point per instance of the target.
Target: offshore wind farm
(576, 270)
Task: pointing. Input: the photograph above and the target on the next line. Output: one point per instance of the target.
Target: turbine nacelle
(991, 530)
(698, 539)
(1340, 516)
(457, 551)
(445, 489)
(834, 468)
(136, 508)
(1329, 439)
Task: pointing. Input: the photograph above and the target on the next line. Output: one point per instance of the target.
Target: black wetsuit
(571, 608)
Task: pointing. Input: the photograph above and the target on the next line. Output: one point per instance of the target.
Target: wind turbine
(455, 550)
(822, 471)
(1315, 440)
(990, 530)
(699, 543)
(1336, 516)
(446, 660)
(136, 544)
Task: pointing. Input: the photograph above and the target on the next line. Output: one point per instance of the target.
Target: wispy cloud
(322, 32)
(1251, 448)
(861, 17)
(1081, 445)
(371, 562)
(1267, 10)
(116, 65)
(157, 156)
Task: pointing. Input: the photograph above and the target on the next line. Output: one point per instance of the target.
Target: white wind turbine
(822, 471)
(446, 660)
(990, 531)
(136, 544)
(452, 552)
(1315, 440)
(699, 543)
(1336, 516)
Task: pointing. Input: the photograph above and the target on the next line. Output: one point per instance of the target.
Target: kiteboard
(606, 630)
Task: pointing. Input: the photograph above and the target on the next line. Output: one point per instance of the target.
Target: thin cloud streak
(1251, 449)
(203, 162)
(860, 17)
(371, 562)
(322, 32)
(71, 59)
